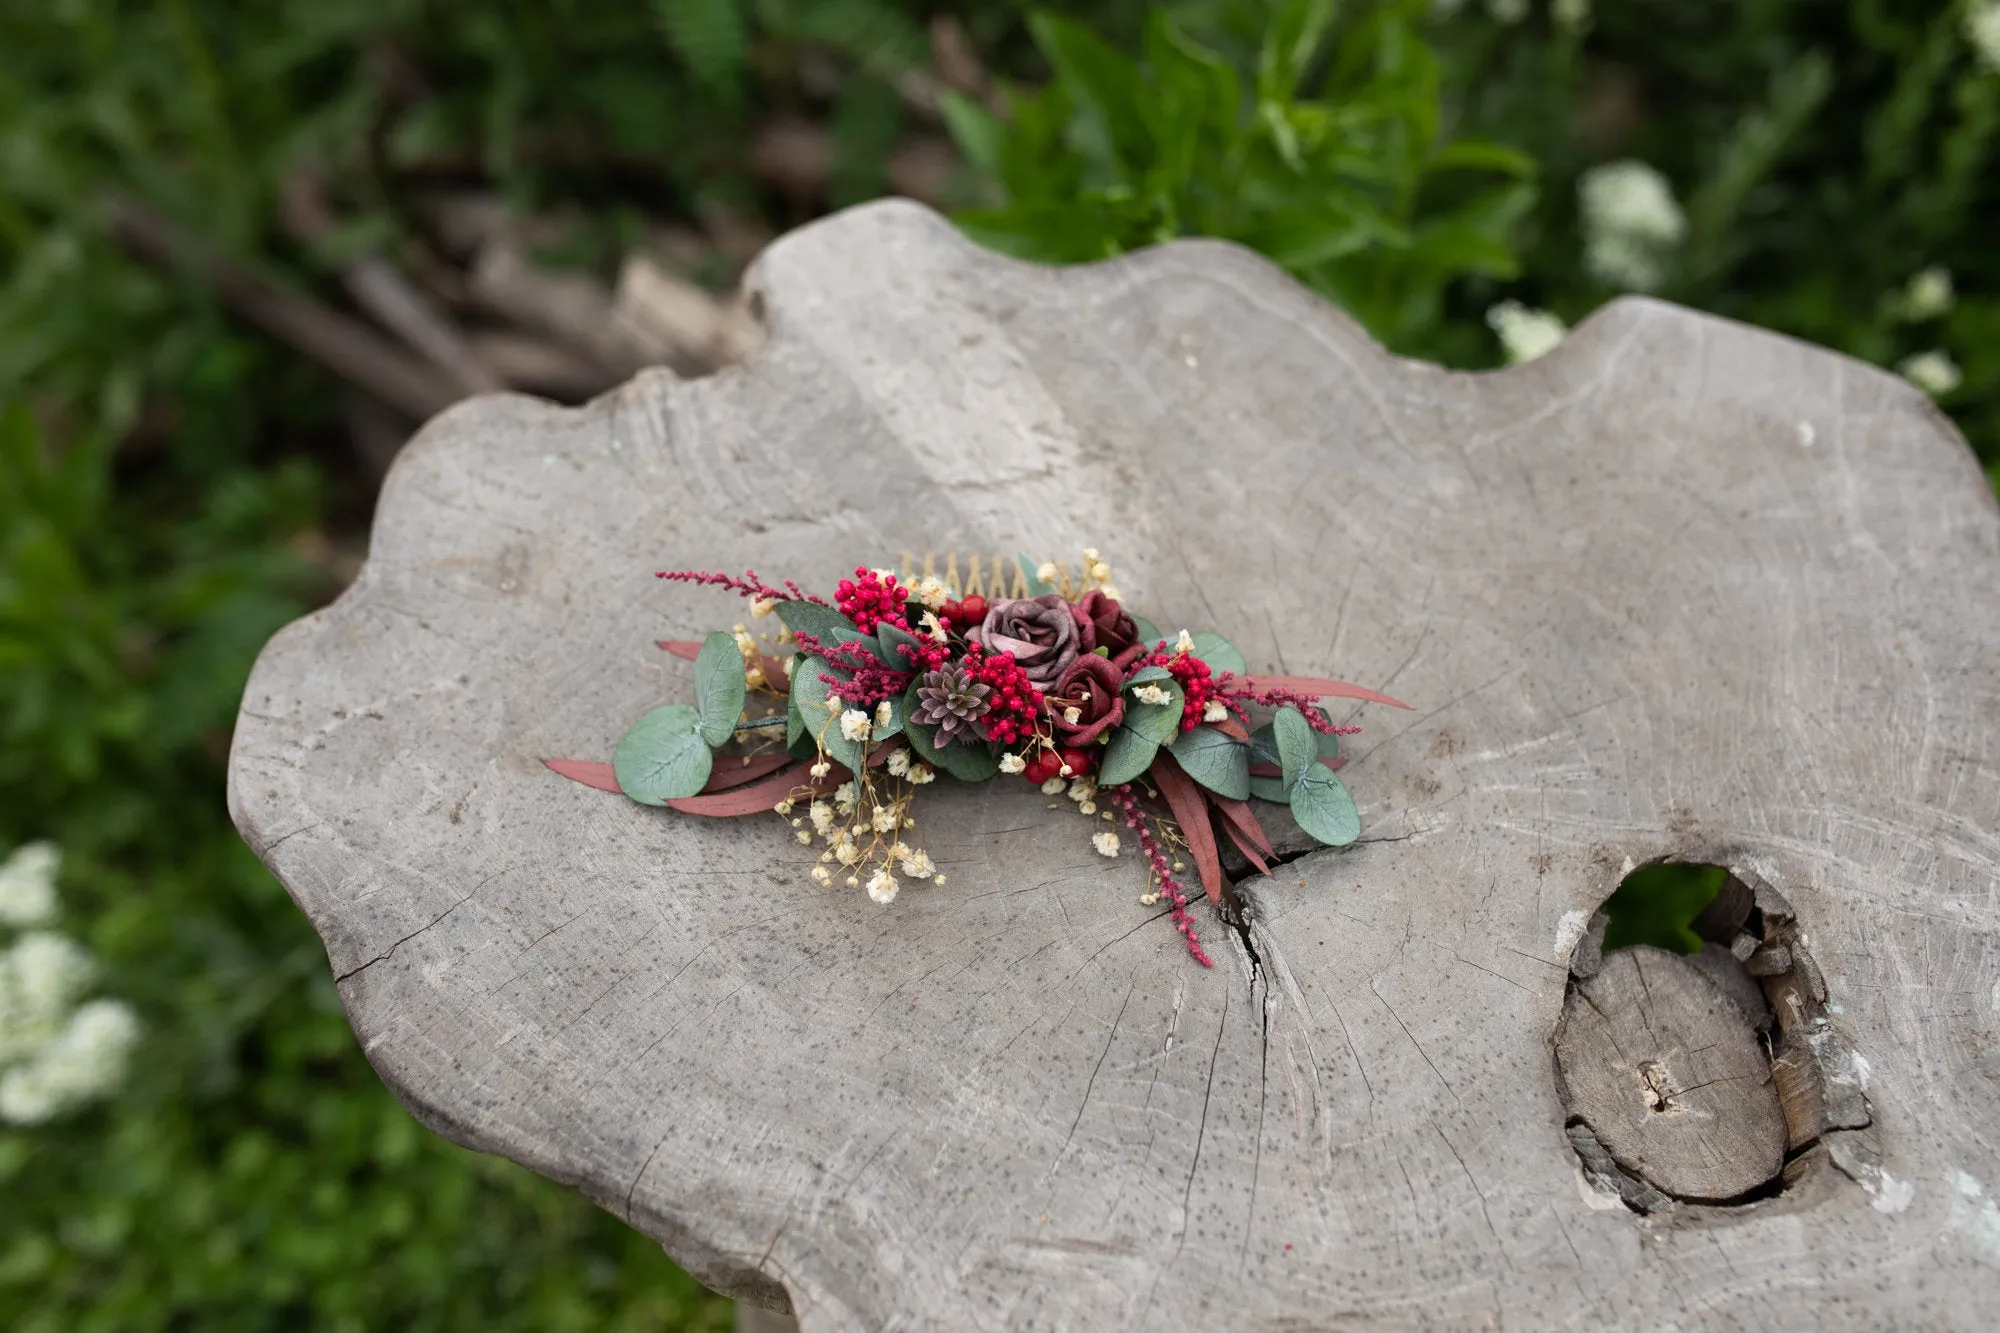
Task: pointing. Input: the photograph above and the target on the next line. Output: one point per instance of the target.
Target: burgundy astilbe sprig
(749, 585)
(868, 682)
(1156, 856)
(1235, 693)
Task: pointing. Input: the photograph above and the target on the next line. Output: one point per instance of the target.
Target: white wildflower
(844, 798)
(854, 725)
(932, 626)
(1185, 643)
(1072, 714)
(1091, 553)
(1214, 711)
(1083, 789)
(822, 818)
(1012, 763)
(1047, 571)
(932, 592)
(744, 643)
(790, 662)
(882, 886)
(1982, 31)
(1112, 593)
(804, 836)
(821, 769)
(1090, 808)
(883, 819)
(1106, 843)
(85, 1061)
(761, 607)
(917, 863)
(1928, 295)
(1100, 572)
(1152, 694)
(784, 807)
(822, 875)
(1934, 372)
(1524, 333)
(919, 775)
(1053, 787)
(884, 715)
(28, 885)
(1631, 224)
(846, 851)
(899, 764)
(834, 704)
(1571, 14)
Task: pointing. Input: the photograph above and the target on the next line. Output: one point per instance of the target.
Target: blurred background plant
(244, 248)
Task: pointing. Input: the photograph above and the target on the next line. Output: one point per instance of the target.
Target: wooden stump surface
(1680, 588)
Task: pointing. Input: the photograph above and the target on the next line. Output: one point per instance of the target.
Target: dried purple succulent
(950, 700)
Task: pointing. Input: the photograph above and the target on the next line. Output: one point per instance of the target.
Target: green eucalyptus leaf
(1127, 756)
(1322, 806)
(1264, 747)
(821, 622)
(1269, 789)
(1037, 585)
(1296, 745)
(1216, 760)
(887, 638)
(1220, 654)
(1149, 633)
(718, 686)
(663, 757)
(811, 694)
(1148, 674)
(968, 761)
(1158, 723)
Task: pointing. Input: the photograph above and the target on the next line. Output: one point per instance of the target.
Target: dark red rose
(1091, 689)
(1103, 623)
(1039, 631)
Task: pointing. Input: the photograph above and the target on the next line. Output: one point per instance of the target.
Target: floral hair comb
(1024, 669)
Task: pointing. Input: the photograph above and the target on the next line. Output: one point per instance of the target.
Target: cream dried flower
(1524, 333)
(1106, 843)
(854, 725)
(883, 820)
(1012, 763)
(1934, 372)
(882, 886)
(1215, 711)
(1053, 786)
(899, 763)
(844, 797)
(822, 818)
(932, 592)
(919, 775)
(1152, 694)
(28, 885)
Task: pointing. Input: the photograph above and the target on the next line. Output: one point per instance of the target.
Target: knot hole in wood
(1713, 1078)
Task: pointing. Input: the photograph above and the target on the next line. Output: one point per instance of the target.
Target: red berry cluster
(868, 599)
(1013, 703)
(963, 615)
(1050, 763)
(1195, 681)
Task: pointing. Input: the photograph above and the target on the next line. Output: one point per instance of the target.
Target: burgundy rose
(1103, 623)
(1039, 631)
(1091, 689)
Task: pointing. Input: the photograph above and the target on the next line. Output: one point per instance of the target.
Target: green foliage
(663, 756)
(1215, 760)
(719, 687)
(1357, 190)
(1655, 906)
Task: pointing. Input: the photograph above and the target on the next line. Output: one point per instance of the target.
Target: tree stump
(1681, 589)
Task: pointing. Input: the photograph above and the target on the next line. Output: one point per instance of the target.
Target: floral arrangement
(869, 697)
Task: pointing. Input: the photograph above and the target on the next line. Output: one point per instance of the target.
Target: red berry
(1078, 763)
(973, 609)
(952, 612)
(1041, 768)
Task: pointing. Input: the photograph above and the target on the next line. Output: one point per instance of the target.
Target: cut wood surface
(1680, 588)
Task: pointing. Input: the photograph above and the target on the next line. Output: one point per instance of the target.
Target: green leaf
(1149, 634)
(1216, 760)
(1127, 756)
(1037, 586)
(968, 761)
(1296, 746)
(798, 741)
(1322, 806)
(1269, 789)
(1148, 674)
(812, 693)
(978, 132)
(718, 686)
(1480, 155)
(887, 637)
(663, 756)
(1100, 81)
(1220, 654)
(821, 622)
(1158, 723)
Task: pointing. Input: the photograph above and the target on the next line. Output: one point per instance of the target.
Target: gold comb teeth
(991, 582)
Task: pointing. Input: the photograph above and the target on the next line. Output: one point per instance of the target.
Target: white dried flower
(884, 714)
(883, 819)
(1083, 789)
(932, 592)
(1571, 14)
(1089, 808)
(1150, 693)
(1184, 643)
(882, 886)
(1072, 714)
(916, 862)
(1012, 763)
(761, 607)
(899, 763)
(804, 836)
(1982, 32)
(784, 807)
(1112, 593)
(1053, 787)
(744, 643)
(844, 798)
(1927, 295)
(854, 725)
(790, 662)
(1100, 572)
(1090, 553)
(822, 875)
(845, 851)
(821, 769)
(834, 705)
(1934, 372)
(85, 1061)
(1106, 843)
(1631, 224)
(28, 885)
(1524, 333)
(1047, 571)
(932, 626)
(919, 775)
(1214, 711)
(822, 818)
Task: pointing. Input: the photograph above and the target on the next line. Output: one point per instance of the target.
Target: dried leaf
(1190, 806)
(1318, 687)
(760, 797)
(730, 773)
(587, 771)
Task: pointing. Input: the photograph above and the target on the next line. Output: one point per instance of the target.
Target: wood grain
(1680, 588)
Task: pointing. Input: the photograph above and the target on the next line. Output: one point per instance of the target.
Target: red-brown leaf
(588, 772)
(1243, 845)
(1229, 726)
(1241, 816)
(1190, 807)
(732, 772)
(762, 796)
(688, 648)
(1319, 687)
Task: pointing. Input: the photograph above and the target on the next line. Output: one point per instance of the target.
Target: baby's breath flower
(822, 875)
(882, 886)
(1083, 789)
(762, 606)
(1524, 333)
(790, 662)
(821, 769)
(1053, 786)
(919, 775)
(744, 643)
(1214, 711)
(854, 725)
(28, 885)
(883, 820)
(1012, 763)
(932, 592)
(784, 807)
(1152, 694)
(822, 817)
(1070, 715)
(1982, 31)
(1630, 224)
(1184, 644)
(834, 705)
(1088, 807)
(844, 797)
(932, 626)
(846, 851)
(1047, 571)
(1106, 843)
(916, 862)
(1100, 572)
(86, 1060)
(884, 714)
(1934, 372)
(1112, 593)
(805, 836)
(899, 763)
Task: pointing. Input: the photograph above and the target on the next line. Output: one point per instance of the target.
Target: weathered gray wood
(1660, 1064)
(1680, 589)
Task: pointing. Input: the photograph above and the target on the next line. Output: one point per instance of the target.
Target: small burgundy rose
(1102, 623)
(1091, 689)
(1039, 631)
